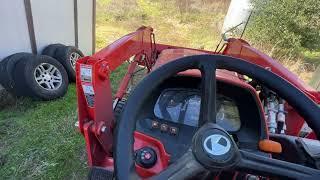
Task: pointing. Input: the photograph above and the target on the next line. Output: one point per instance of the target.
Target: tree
(290, 25)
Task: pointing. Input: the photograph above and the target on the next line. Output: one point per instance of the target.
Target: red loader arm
(94, 91)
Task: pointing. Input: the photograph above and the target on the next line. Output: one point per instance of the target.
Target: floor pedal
(98, 173)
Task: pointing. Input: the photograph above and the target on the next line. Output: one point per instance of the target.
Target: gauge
(228, 114)
(179, 106)
(182, 106)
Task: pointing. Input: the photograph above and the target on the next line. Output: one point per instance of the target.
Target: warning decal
(86, 73)
(88, 89)
(89, 94)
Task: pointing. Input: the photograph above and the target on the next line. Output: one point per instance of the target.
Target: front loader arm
(95, 113)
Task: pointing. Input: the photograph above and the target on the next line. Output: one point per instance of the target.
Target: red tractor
(230, 114)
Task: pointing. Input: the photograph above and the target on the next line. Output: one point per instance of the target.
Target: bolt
(103, 128)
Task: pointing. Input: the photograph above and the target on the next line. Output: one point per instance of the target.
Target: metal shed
(30, 25)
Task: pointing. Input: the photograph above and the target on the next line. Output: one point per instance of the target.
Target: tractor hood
(169, 55)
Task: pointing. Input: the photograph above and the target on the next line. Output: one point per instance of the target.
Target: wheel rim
(48, 76)
(73, 59)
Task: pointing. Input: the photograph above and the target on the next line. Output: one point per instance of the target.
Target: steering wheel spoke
(186, 167)
(265, 166)
(208, 93)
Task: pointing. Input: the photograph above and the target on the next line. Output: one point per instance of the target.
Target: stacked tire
(66, 55)
(45, 76)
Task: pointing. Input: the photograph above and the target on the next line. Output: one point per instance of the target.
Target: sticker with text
(86, 73)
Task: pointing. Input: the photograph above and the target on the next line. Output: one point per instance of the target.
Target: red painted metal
(241, 49)
(92, 119)
(96, 120)
(142, 140)
(126, 79)
(296, 121)
(121, 50)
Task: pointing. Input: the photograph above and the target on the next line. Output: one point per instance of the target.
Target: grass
(38, 140)
(194, 25)
(312, 57)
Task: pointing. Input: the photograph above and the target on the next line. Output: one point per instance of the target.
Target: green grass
(312, 57)
(196, 25)
(38, 140)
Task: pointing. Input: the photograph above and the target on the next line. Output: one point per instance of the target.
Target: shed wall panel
(53, 22)
(14, 34)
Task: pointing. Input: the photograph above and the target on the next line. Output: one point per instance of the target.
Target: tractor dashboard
(171, 114)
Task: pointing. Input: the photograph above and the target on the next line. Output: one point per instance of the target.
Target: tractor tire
(68, 56)
(41, 77)
(7, 67)
(50, 50)
(119, 109)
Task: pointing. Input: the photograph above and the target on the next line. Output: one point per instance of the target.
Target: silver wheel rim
(73, 59)
(48, 76)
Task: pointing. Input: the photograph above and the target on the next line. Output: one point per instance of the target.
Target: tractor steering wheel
(199, 158)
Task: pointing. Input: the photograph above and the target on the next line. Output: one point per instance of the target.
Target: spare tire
(3, 72)
(41, 77)
(50, 50)
(7, 67)
(68, 56)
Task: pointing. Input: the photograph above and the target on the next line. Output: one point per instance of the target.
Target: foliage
(286, 26)
(188, 23)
